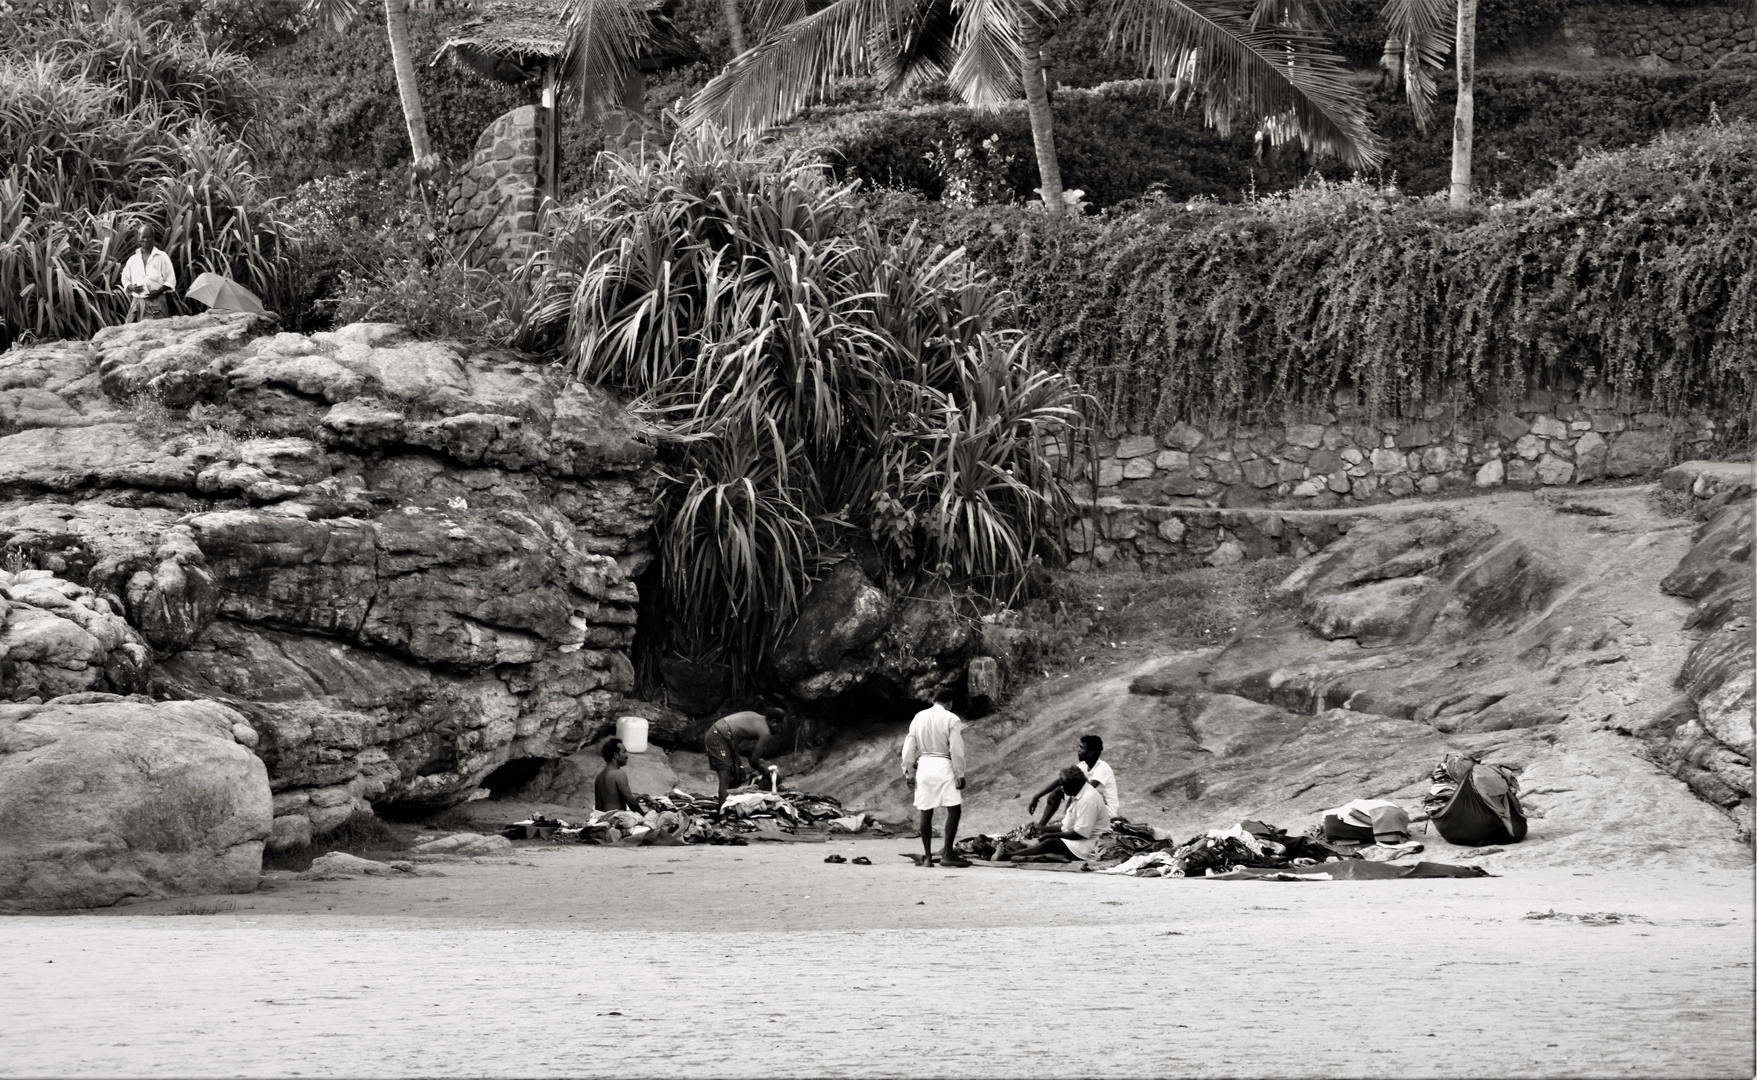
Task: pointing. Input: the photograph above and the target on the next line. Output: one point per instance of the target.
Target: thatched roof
(513, 40)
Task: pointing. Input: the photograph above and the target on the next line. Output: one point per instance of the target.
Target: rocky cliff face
(404, 564)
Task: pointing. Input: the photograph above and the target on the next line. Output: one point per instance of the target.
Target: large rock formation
(1533, 632)
(105, 798)
(403, 562)
(1710, 749)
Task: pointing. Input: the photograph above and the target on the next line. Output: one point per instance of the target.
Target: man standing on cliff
(933, 760)
(147, 278)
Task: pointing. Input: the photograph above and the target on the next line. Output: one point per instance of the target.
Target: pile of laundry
(1219, 851)
(679, 817)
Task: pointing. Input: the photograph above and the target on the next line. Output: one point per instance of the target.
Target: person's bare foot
(954, 860)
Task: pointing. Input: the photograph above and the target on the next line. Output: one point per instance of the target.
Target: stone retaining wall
(1222, 492)
(492, 203)
(1663, 36)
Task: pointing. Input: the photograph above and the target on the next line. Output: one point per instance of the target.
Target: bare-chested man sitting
(610, 791)
(724, 739)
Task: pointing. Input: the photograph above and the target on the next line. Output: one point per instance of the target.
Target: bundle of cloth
(680, 817)
(1218, 851)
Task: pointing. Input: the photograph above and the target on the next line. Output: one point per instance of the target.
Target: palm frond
(338, 13)
(989, 53)
(925, 48)
(1424, 30)
(773, 81)
(1245, 71)
(604, 44)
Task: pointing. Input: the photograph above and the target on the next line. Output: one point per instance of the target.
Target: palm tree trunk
(734, 26)
(1049, 170)
(1464, 118)
(396, 24)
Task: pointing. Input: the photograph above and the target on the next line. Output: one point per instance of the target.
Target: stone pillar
(491, 206)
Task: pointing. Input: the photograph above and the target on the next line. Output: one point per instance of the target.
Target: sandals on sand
(834, 858)
(862, 860)
(858, 860)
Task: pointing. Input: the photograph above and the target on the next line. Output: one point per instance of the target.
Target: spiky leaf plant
(818, 388)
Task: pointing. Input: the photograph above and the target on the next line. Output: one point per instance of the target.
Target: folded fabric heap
(1249, 843)
(680, 817)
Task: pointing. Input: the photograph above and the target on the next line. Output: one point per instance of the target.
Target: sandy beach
(763, 960)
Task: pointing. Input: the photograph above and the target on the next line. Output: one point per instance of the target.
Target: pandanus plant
(818, 388)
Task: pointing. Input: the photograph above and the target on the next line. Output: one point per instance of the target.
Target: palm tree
(342, 13)
(1256, 58)
(1415, 48)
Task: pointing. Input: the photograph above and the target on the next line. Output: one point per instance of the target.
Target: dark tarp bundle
(1353, 870)
(1485, 809)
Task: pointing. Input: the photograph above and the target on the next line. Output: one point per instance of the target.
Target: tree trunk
(396, 24)
(1049, 170)
(1464, 118)
(734, 26)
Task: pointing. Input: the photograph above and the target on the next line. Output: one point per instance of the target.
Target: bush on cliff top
(106, 127)
(1638, 268)
(820, 389)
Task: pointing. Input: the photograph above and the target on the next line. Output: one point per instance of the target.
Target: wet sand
(763, 960)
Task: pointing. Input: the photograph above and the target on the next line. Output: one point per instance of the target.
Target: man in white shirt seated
(1098, 774)
(147, 278)
(1081, 823)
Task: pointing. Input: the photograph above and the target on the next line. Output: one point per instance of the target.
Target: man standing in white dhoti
(933, 760)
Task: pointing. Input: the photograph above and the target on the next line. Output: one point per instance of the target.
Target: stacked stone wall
(492, 203)
(1664, 36)
(1221, 491)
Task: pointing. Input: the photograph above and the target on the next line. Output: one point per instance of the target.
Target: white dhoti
(935, 784)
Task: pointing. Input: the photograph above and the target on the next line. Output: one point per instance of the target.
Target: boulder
(59, 638)
(462, 846)
(107, 800)
(843, 614)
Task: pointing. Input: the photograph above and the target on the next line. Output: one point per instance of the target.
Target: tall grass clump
(101, 130)
(1636, 269)
(819, 390)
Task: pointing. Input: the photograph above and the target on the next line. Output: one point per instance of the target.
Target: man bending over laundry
(1098, 774)
(723, 741)
(1081, 823)
(933, 760)
(610, 791)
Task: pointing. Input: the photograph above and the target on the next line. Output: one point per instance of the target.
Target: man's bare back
(610, 791)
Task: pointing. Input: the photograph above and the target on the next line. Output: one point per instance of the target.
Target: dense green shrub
(1530, 124)
(1117, 143)
(100, 132)
(818, 389)
(1637, 267)
(330, 101)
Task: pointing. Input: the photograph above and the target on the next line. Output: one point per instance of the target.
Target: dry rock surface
(105, 798)
(402, 563)
(1556, 635)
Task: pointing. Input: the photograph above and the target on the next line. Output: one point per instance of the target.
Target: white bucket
(632, 730)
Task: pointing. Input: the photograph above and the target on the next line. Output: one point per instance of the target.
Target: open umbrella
(223, 294)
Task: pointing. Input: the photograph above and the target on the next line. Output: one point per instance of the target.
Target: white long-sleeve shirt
(935, 730)
(152, 273)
